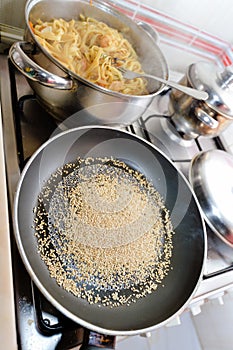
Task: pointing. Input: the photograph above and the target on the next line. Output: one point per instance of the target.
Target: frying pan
(189, 241)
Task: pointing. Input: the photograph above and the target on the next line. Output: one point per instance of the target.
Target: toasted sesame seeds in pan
(103, 231)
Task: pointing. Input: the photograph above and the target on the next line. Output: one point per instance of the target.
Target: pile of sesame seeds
(103, 231)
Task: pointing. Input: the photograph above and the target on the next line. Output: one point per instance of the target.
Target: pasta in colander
(92, 50)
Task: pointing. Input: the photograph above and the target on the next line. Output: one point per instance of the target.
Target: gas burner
(161, 105)
(174, 134)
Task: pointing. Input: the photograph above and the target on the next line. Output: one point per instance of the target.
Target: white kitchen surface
(214, 17)
(209, 330)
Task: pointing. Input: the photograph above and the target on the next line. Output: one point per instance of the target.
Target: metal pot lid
(217, 82)
(211, 176)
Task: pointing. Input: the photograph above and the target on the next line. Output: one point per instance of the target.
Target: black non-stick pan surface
(189, 240)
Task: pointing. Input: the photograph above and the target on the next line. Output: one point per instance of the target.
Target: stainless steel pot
(63, 92)
(207, 118)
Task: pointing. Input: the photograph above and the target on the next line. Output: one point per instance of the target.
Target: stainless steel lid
(217, 82)
(211, 176)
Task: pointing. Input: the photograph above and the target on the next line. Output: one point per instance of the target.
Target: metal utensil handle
(33, 71)
(197, 94)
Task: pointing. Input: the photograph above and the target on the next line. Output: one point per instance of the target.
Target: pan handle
(93, 341)
(31, 70)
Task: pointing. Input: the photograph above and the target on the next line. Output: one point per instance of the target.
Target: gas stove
(26, 125)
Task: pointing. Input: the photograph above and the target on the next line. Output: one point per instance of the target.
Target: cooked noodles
(92, 50)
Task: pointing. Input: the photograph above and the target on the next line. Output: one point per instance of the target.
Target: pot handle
(206, 119)
(32, 71)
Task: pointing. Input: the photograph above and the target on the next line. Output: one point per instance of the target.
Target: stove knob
(217, 298)
(196, 307)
